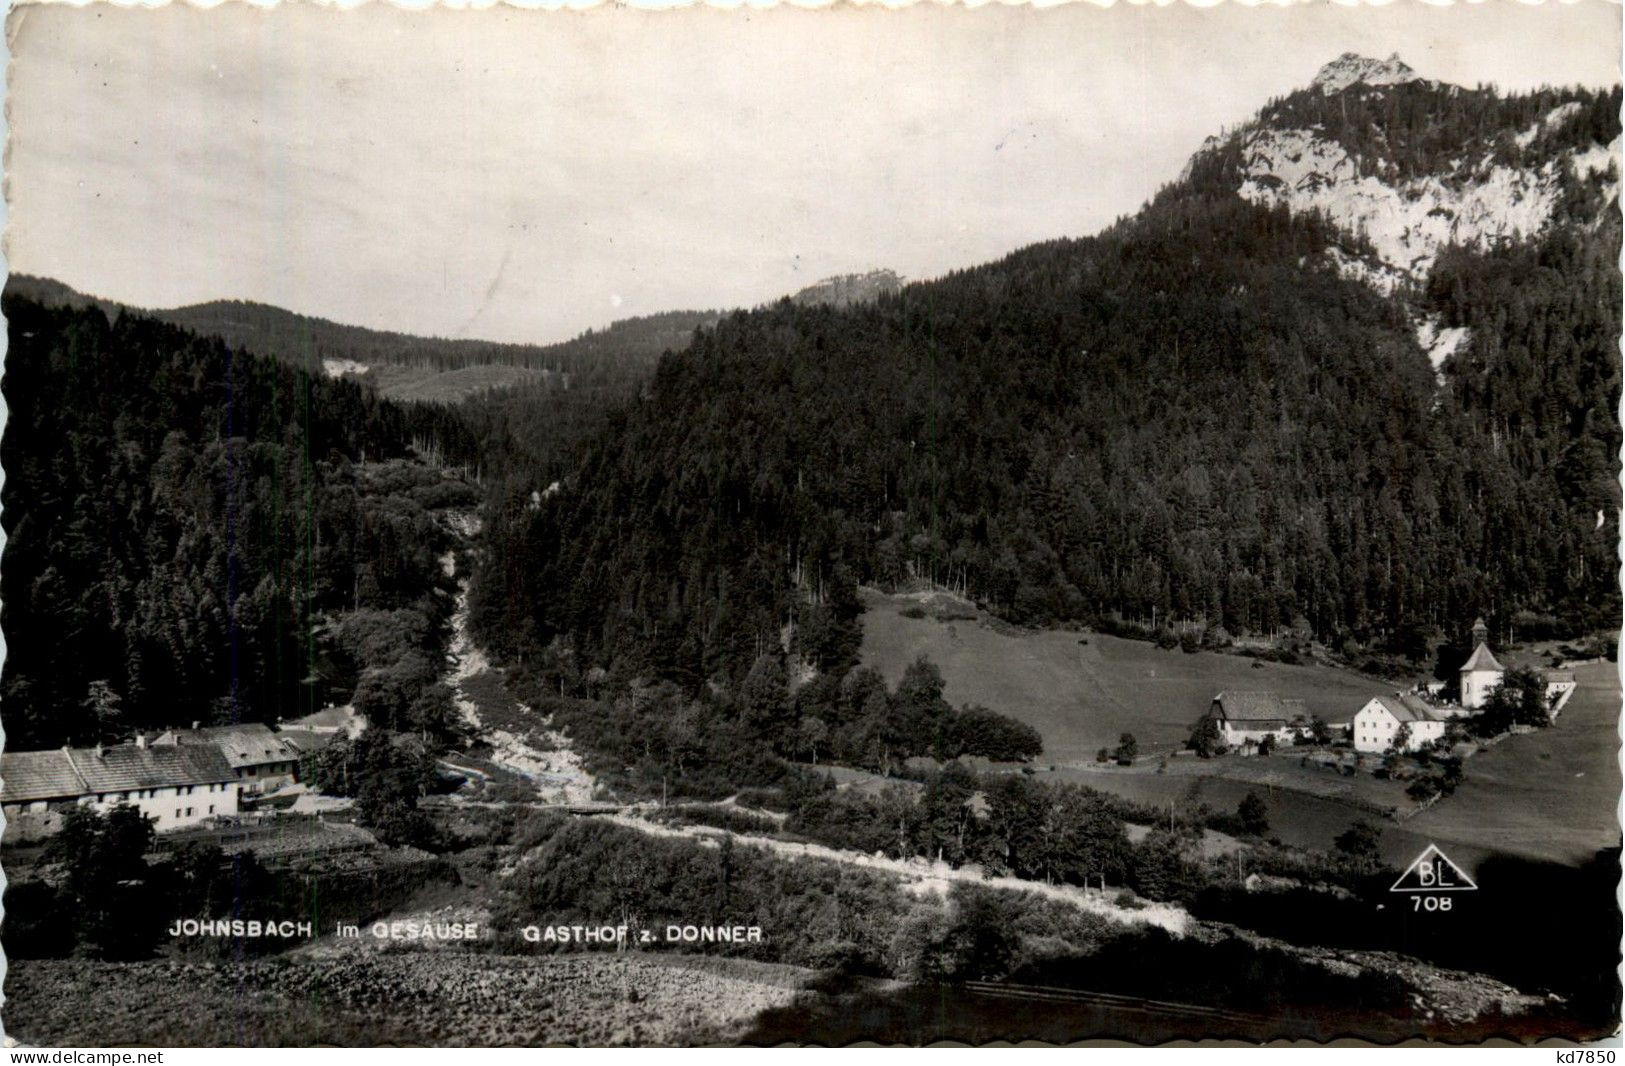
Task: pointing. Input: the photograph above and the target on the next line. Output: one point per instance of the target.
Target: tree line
(659, 739)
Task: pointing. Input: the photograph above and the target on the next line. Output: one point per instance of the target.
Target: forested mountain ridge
(309, 341)
(1197, 415)
(196, 533)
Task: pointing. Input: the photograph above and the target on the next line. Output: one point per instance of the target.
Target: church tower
(1481, 673)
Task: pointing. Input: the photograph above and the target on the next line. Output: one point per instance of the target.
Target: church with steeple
(1482, 673)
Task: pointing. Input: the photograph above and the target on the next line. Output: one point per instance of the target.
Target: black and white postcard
(811, 525)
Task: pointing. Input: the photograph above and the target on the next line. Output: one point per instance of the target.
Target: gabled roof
(1407, 708)
(127, 766)
(244, 744)
(326, 718)
(306, 740)
(37, 775)
(1481, 659)
(1266, 709)
(64, 773)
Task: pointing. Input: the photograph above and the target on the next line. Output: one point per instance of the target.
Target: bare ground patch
(413, 998)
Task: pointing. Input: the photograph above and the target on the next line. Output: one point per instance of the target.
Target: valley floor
(1549, 795)
(366, 992)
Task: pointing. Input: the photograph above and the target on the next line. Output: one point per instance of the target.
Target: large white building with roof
(260, 759)
(1249, 717)
(175, 786)
(1378, 723)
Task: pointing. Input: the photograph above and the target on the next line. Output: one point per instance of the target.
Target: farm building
(1379, 721)
(261, 759)
(1559, 687)
(328, 720)
(176, 786)
(1249, 717)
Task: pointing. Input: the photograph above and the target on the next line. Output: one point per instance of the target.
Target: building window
(177, 812)
(188, 812)
(211, 808)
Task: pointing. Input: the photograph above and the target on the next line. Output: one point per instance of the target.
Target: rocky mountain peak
(1352, 69)
(843, 290)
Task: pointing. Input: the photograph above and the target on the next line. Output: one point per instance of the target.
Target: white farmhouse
(1559, 687)
(1249, 717)
(175, 786)
(1379, 721)
(261, 759)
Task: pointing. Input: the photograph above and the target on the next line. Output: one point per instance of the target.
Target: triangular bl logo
(1433, 872)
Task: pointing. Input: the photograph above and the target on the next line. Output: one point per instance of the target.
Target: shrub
(1253, 814)
(768, 799)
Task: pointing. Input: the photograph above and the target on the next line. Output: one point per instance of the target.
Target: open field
(409, 997)
(1081, 696)
(1548, 795)
(1263, 774)
(1552, 794)
(1296, 818)
(427, 385)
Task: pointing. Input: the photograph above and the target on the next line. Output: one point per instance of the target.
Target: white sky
(523, 175)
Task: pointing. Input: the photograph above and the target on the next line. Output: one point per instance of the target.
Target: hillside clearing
(1546, 795)
(1552, 794)
(1082, 690)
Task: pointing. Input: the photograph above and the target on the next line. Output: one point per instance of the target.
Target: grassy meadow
(1549, 795)
(1553, 794)
(1082, 690)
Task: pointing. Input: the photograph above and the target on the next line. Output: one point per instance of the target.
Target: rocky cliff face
(1407, 222)
(1478, 187)
(843, 290)
(1352, 69)
(1410, 168)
